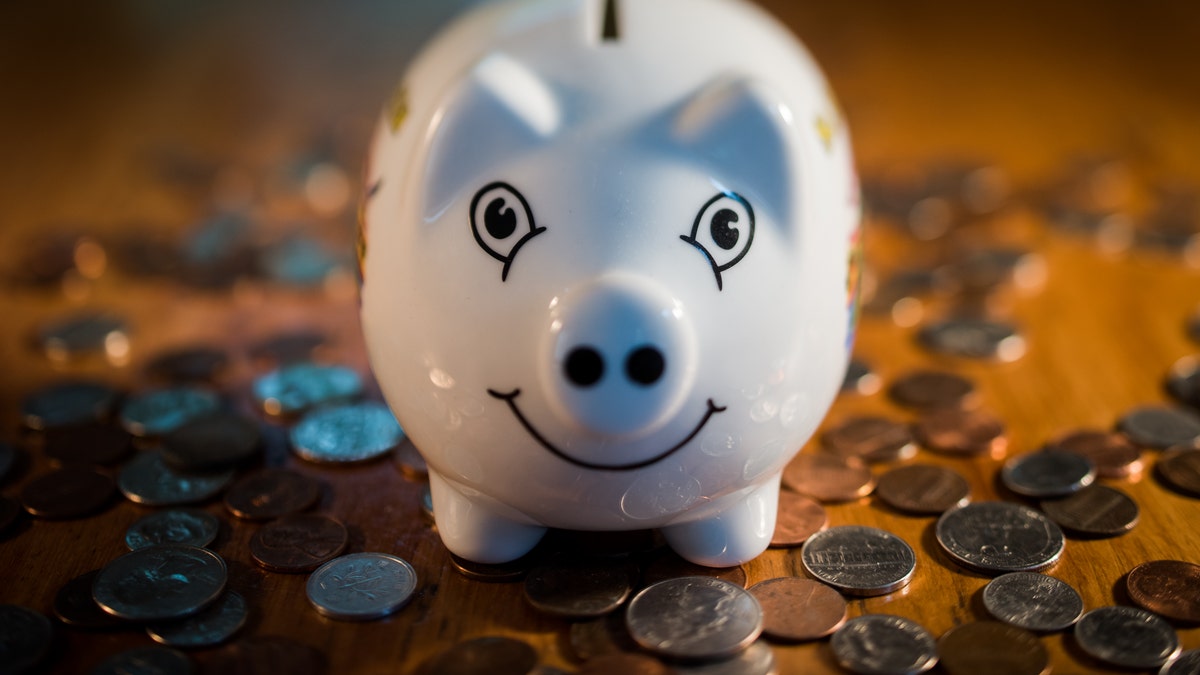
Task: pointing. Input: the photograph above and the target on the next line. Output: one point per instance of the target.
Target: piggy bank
(608, 255)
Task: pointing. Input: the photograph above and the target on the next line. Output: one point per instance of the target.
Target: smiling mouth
(511, 399)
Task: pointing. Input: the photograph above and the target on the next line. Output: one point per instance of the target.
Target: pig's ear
(742, 130)
(502, 109)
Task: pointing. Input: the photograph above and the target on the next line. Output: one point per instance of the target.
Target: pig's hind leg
(735, 535)
(471, 529)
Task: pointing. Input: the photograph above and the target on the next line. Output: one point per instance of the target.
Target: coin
(347, 433)
(287, 348)
(175, 526)
(871, 439)
(987, 647)
(625, 663)
(158, 412)
(74, 605)
(486, 656)
(90, 443)
(1033, 601)
(361, 586)
(68, 404)
(929, 389)
(860, 379)
(923, 489)
(188, 365)
(1113, 455)
(147, 661)
(1048, 473)
(25, 637)
(265, 655)
(1169, 588)
(295, 388)
(68, 493)
(973, 338)
(694, 618)
(298, 543)
(1183, 381)
(859, 560)
(75, 336)
(1187, 663)
(271, 493)
(1161, 427)
(883, 644)
(212, 442)
(1179, 468)
(578, 589)
(1095, 511)
(499, 573)
(999, 537)
(146, 479)
(798, 610)
(827, 478)
(1126, 636)
(210, 626)
(757, 659)
(962, 432)
(157, 583)
(798, 518)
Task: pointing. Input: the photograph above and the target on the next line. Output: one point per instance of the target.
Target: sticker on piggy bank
(608, 253)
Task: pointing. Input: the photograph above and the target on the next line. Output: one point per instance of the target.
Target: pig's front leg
(733, 536)
(472, 530)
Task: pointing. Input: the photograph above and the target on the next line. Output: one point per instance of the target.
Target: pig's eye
(502, 222)
(723, 231)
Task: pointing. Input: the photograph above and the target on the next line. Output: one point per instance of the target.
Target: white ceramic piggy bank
(609, 255)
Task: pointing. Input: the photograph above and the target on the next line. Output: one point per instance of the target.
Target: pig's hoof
(734, 536)
(472, 531)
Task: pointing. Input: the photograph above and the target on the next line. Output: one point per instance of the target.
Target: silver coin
(1048, 473)
(883, 644)
(361, 586)
(159, 412)
(300, 386)
(1095, 511)
(146, 479)
(1033, 601)
(210, 626)
(68, 404)
(578, 589)
(25, 637)
(147, 661)
(1161, 427)
(974, 339)
(81, 334)
(176, 526)
(999, 537)
(347, 433)
(169, 581)
(1187, 663)
(859, 560)
(1127, 636)
(758, 659)
(694, 618)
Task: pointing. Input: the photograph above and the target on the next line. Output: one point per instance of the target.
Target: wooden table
(104, 102)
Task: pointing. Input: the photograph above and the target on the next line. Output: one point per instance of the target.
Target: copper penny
(1170, 588)
(624, 663)
(1094, 511)
(992, 648)
(798, 610)
(826, 478)
(298, 543)
(92, 443)
(962, 432)
(923, 489)
(68, 493)
(1179, 468)
(271, 493)
(798, 519)
(929, 389)
(871, 439)
(668, 565)
(1113, 454)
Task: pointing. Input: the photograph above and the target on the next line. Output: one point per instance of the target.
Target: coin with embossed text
(1033, 601)
(1170, 588)
(579, 589)
(1179, 468)
(348, 433)
(982, 647)
(859, 560)
(871, 439)
(271, 493)
(923, 489)
(68, 493)
(799, 610)
(174, 526)
(1127, 636)
(694, 618)
(169, 581)
(146, 479)
(68, 404)
(298, 543)
(884, 644)
(1095, 511)
(158, 412)
(210, 626)
(1048, 473)
(1113, 455)
(827, 478)
(798, 518)
(147, 661)
(361, 586)
(999, 537)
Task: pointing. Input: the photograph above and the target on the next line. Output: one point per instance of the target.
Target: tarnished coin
(1169, 588)
(990, 647)
(884, 644)
(827, 478)
(68, 493)
(694, 618)
(579, 589)
(295, 388)
(1187, 663)
(1033, 601)
(923, 489)
(161, 411)
(75, 606)
(188, 365)
(973, 339)
(81, 334)
(669, 565)
(498, 573)
(169, 581)
(298, 543)
(999, 537)
(1095, 511)
(147, 661)
(1048, 473)
(361, 586)
(25, 637)
(210, 626)
(91, 443)
(267, 654)
(1161, 427)
(1113, 455)
(68, 404)
(624, 662)
(962, 432)
(860, 379)
(174, 526)
(799, 610)
(930, 389)
(146, 479)
(797, 519)
(1127, 636)
(859, 560)
(486, 656)
(1183, 381)
(871, 439)
(348, 433)
(271, 493)
(287, 348)
(757, 659)
(1179, 468)
(213, 442)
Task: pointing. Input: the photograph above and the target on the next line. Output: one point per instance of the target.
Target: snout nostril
(584, 366)
(645, 365)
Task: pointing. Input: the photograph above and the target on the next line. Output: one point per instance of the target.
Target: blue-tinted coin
(298, 387)
(346, 433)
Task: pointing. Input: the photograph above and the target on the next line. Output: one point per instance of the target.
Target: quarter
(169, 581)
(1127, 636)
(361, 586)
(994, 537)
(694, 618)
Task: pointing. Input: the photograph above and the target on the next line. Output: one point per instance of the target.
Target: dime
(1033, 601)
(68, 404)
(1183, 381)
(1169, 588)
(1161, 427)
(158, 412)
(1187, 663)
(1179, 468)
(90, 443)
(973, 339)
(361, 586)
(798, 518)
(210, 626)
(25, 637)
(991, 647)
(1113, 455)
(1096, 511)
(999, 537)
(148, 480)
(669, 565)
(827, 478)
(213, 442)
(287, 348)
(1127, 636)
(68, 493)
(962, 432)
(625, 663)
(929, 389)
(694, 618)
(799, 610)
(1049, 473)
(486, 656)
(188, 365)
(266, 655)
(74, 605)
(579, 589)
(175, 526)
(883, 644)
(295, 388)
(860, 379)
(757, 659)
(169, 581)
(271, 493)
(147, 661)
(871, 439)
(923, 489)
(859, 560)
(346, 433)
(298, 543)
(81, 334)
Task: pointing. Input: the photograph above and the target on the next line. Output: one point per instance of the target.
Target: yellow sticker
(398, 108)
